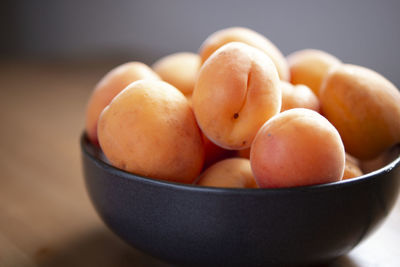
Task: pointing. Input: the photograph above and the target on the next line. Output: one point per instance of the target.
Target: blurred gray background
(363, 32)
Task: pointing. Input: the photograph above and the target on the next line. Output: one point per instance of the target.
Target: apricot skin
(149, 129)
(309, 67)
(108, 87)
(229, 173)
(298, 96)
(249, 37)
(364, 107)
(295, 148)
(179, 69)
(237, 90)
(351, 168)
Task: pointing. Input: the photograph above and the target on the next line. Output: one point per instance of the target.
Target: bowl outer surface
(192, 225)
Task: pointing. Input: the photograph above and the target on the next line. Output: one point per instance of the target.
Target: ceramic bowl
(204, 226)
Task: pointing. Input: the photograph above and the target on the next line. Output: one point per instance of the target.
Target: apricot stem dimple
(236, 115)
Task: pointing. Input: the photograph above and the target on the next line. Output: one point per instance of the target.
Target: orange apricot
(351, 168)
(249, 37)
(108, 87)
(149, 129)
(237, 90)
(298, 96)
(364, 107)
(231, 173)
(297, 147)
(309, 67)
(179, 69)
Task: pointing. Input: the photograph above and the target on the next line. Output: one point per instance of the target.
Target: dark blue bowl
(204, 226)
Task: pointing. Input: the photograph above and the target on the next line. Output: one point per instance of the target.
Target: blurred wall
(362, 32)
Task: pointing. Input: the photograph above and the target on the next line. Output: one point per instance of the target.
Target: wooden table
(46, 218)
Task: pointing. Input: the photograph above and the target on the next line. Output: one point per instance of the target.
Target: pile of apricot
(240, 114)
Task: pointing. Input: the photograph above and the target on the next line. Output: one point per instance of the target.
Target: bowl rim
(85, 144)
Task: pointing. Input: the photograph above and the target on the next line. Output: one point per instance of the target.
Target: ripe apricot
(351, 168)
(297, 147)
(179, 69)
(233, 173)
(237, 90)
(249, 37)
(298, 96)
(364, 107)
(108, 87)
(309, 67)
(149, 129)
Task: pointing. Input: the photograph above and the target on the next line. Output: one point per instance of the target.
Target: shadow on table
(101, 248)
(98, 248)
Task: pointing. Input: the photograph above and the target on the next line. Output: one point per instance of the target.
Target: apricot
(149, 129)
(364, 107)
(309, 67)
(108, 87)
(297, 147)
(233, 173)
(249, 37)
(179, 69)
(298, 96)
(237, 90)
(351, 168)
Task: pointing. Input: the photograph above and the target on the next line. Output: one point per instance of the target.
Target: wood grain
(46, 218)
